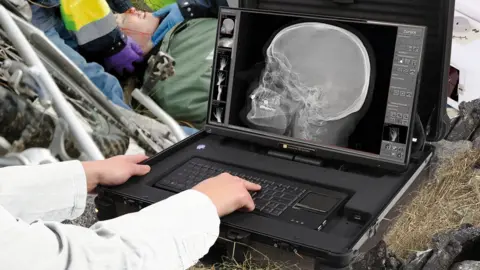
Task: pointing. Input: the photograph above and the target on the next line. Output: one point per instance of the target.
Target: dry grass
(450, 199)
(249, 264)
(255, 260)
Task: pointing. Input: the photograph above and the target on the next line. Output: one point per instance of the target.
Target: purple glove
(123, 60)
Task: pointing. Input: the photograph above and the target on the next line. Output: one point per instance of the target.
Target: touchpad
(317, 203)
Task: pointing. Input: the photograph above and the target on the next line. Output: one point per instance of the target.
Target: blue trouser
(47, 20)
(189, 131)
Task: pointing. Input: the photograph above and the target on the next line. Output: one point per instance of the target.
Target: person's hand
(113, 171)
(123, 60)
(228, 193)
(170, 16)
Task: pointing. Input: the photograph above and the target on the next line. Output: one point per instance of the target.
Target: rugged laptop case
(372, 192)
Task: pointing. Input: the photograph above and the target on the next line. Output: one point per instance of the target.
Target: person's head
(140, 26)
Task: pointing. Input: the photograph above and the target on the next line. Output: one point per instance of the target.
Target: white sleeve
(53, 192)
(169, 235)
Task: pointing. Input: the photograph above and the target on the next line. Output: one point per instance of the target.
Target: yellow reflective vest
(89, 20)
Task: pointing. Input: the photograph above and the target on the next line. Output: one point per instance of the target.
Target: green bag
(185, 95)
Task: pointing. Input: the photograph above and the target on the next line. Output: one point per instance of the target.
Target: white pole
(21, 44)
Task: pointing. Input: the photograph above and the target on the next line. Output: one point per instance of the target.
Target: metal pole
(160, 114)
(45, 46)
(85, 142)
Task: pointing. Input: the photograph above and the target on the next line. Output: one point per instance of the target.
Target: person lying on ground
(140, 26)
(78, 32)
(171, 234)
(191, 45)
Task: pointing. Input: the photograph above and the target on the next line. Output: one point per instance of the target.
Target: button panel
(403, 87)
(224, 62)
(403, 80)
(391, 150)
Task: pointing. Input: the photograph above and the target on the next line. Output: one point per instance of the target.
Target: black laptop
(318, 199)
(242, 38)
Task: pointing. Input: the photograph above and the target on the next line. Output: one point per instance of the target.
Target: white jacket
(172, 234)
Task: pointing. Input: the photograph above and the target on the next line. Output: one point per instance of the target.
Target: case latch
(104, 206)
(238, 247)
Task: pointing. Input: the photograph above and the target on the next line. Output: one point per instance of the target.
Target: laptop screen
(320, 83)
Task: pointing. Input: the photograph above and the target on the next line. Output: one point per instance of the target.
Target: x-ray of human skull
(316, 76)
(273, 104)
(228, 25)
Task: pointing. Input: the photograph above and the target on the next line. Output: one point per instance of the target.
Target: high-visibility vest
(87, 19)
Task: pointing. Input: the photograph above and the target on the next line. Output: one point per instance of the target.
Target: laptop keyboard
(273, 199)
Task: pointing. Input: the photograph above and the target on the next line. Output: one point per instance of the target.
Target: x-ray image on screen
(314, 84)
(316, 81)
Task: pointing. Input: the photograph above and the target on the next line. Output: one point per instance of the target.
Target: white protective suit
(172, 234)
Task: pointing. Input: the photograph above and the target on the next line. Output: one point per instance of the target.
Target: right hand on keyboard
(228, 193)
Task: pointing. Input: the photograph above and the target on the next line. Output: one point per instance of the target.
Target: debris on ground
(455, 249)
(444, 151)
(467, 122)
(89, 216)
(442, 203)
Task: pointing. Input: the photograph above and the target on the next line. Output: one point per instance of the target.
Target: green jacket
(185, 95)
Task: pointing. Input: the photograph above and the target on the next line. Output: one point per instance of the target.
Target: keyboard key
(269, 192)
(261, 203)
(267, 198)
(266, 209)
(272, 204)
(289, 196)
(282, 200)
(276, 212)
(282, 206)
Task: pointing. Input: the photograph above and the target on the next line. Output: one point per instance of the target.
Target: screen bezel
(297, 146)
